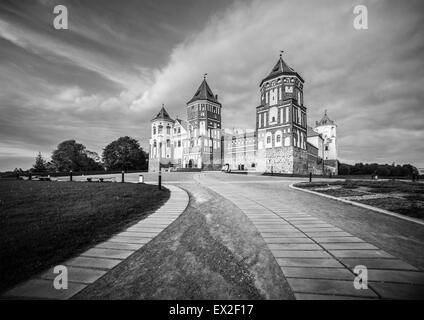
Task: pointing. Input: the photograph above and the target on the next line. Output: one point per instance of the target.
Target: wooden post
(70, 175)
(30, 176)
(160, 180)
(310, 176)
(123, 176)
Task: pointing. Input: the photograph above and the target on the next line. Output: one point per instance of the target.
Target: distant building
(282, 141)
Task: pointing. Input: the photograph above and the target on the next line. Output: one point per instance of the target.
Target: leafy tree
(124, 153)
(71, 155)
(40, 164)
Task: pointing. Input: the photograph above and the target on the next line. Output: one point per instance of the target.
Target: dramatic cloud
(108, 75)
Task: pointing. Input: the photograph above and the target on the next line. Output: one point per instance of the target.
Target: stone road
(318, 258)
(97, 261)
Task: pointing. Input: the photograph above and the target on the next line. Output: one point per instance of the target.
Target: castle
(282, 141)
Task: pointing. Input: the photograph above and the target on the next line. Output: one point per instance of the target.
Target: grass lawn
(44, 223)
(402, 197)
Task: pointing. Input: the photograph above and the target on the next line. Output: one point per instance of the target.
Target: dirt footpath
(212, 251)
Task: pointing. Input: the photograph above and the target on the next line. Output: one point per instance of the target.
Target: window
(179, 143)
(168, 130)
(168, 143)
(160, 128)
(278, 139)
(326, 148)
(154, 130)
(268, 140)
(179, 130)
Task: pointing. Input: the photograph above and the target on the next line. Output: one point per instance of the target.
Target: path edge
(361, 205)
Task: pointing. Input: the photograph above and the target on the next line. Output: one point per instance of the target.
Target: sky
(109, 73)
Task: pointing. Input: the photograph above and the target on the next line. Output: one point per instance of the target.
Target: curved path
(97, 261)
(318, 257)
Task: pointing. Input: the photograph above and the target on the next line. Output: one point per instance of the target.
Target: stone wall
(300, 161)
(279, 160)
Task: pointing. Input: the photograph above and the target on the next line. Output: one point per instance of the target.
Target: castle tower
(328, 129)
(161, 145)
(203, 130)
(281, 122)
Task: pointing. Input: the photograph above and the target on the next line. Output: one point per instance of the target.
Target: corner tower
(161, 150)
(203, 148)
(281, 122)
(328, 130)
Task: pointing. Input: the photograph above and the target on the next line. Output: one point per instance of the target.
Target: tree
(40, 164)
(71, 155)
(124, 153)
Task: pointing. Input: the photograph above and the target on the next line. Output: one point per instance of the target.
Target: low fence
(15, 175)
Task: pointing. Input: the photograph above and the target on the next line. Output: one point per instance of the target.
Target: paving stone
(309, 262)
(328, 234)
(411, 277)
(394, 264)
(137, 230)
(313, 225)
(100, 263)
(320, 229)
(398, 291)
(280, 235)
(321, 286)
(293, 246)
(43, 289)
(318, 273)
(133, 240)
(288, 240)
(349, 246)
(302, 219)
(338, 240)
(76, 274)
(277, 230)
(310, 296)
(360, 254)
(107, 253)
(143, 234)
(300, 254)
(118, 245)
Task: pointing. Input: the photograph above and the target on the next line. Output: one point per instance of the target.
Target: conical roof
(325, 120)
(204, 92)
(280, 68)
(163, 115)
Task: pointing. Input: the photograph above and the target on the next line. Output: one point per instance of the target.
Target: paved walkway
(97, 261)
(318, 258)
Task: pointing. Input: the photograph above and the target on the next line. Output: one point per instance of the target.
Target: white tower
(328, 130)
(161, 144)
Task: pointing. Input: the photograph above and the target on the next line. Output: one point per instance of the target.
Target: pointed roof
(163, 115)
(280, 68)
(204, 93)
(325, 120)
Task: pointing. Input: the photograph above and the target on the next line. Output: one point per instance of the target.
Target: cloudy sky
(108, 75)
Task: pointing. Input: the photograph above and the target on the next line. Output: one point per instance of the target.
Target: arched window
(154, 130)
(168, 130)
(160, 128)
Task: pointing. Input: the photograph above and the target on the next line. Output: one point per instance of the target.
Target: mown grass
(44, 223)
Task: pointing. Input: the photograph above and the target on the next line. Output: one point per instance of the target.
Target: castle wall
(279, 160)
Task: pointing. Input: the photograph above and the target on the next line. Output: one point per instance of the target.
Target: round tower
(161, 152)
(328, 129)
